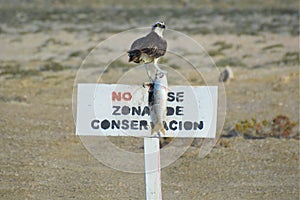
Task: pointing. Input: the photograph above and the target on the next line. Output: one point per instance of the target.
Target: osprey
(150, 48)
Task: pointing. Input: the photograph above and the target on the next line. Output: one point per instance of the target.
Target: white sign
(122, 110)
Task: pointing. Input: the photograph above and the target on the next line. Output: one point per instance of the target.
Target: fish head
(161, 78)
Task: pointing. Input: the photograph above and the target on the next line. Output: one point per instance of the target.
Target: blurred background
(43, 44)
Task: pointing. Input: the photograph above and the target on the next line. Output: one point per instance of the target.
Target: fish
(157, 101)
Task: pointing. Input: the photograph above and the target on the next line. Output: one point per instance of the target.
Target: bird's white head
(159, 27)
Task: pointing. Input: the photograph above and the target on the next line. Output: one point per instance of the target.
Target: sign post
(152, 168)
(122, 110)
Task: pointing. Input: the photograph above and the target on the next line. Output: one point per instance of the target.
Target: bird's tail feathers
(134, 55)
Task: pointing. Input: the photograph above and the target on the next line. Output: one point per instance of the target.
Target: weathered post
(152, 168)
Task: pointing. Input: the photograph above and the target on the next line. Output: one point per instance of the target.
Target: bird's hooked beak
(159, 25)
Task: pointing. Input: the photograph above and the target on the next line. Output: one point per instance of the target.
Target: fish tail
(158, 127)
(163, 130)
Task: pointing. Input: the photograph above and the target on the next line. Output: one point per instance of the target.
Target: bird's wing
(151, 44)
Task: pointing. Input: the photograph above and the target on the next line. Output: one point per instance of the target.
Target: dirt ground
(41, 158)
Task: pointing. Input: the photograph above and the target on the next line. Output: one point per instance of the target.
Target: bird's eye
(158, 25)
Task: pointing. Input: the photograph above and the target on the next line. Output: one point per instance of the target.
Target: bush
(280, 127)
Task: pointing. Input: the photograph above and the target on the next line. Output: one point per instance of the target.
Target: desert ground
(44, 44)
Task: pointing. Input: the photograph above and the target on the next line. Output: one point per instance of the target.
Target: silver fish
(158, 101)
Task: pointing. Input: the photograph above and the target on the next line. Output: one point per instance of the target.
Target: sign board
(122, 110)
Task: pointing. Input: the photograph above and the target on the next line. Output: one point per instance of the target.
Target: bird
(226, 75)
(149, 48)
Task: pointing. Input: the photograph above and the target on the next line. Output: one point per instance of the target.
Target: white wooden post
(152, 169)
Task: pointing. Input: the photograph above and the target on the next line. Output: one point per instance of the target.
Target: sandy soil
(41, 158)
